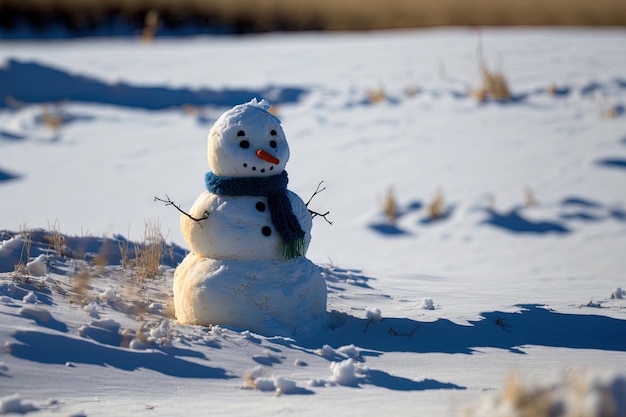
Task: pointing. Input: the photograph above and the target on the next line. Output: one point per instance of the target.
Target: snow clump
(254, 379)
(37, 267)
(92, 310)
(14, 404)
(109, 295)
(30, 298)
(326, 351)
(350, 351)
(427, 304)
(618, 294)
(373, 314)
(343, 373)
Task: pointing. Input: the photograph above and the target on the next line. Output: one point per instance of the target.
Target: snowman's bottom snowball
(260, 296)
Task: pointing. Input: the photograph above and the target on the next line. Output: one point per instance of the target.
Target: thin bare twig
(169, 202)
(317, 191)
(315, 213)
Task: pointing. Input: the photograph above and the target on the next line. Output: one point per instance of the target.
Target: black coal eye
(241, 133)
(273, 143)
(244, 144)
(273, 132)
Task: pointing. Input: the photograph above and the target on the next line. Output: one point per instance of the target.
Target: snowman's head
(247, 141)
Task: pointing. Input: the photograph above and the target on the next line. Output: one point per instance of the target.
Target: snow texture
(524, 265)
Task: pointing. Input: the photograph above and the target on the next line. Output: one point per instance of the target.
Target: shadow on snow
(515, 222)
(32, 82)
(612, 163)
(60, 349)
(532, 325)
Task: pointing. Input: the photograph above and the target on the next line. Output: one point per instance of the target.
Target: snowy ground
(424, 316)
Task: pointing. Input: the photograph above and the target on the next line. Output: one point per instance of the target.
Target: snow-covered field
(425, 317)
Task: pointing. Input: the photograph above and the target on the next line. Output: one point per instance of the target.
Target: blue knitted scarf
(275, 189)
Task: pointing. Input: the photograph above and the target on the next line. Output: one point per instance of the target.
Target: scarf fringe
(294, 249)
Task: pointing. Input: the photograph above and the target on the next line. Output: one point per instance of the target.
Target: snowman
(248, 234)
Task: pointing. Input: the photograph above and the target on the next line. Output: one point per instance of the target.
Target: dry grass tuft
(148, 253)
(552, 89)
(412, 91)
(124, 246)
(55, 238)
(53, 116)
(494, 83)
(151, 23)
(529, 198)
(27, 242)
(81, 286)
(437, 207)
(376, 95)
(390, 207)
(578, 393)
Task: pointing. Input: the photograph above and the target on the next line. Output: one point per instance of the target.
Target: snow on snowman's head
(247, 141)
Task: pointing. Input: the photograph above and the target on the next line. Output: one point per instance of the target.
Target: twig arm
(314, 214)
(169, 202)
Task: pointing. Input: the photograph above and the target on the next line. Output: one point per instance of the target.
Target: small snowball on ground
(30, 298)
(284, 385)
(373, 314)
(14, 404)
(37, 266)
(343, 373)
(109, 295)
(254, 379)
(427, 304)
(326, 351)
(160, 331)
(264, 384)
(317, 382)
(350, 351)
(92, 310)
(4, 367)
(137, 344)
(618, 294)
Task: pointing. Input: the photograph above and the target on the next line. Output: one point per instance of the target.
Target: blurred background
(148, 18)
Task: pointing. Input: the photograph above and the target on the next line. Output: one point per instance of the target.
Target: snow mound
(14, 404)
(37, 267)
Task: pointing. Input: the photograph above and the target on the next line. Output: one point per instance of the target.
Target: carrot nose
(267, 157)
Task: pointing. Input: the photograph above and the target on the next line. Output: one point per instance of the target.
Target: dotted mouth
(254, 168)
